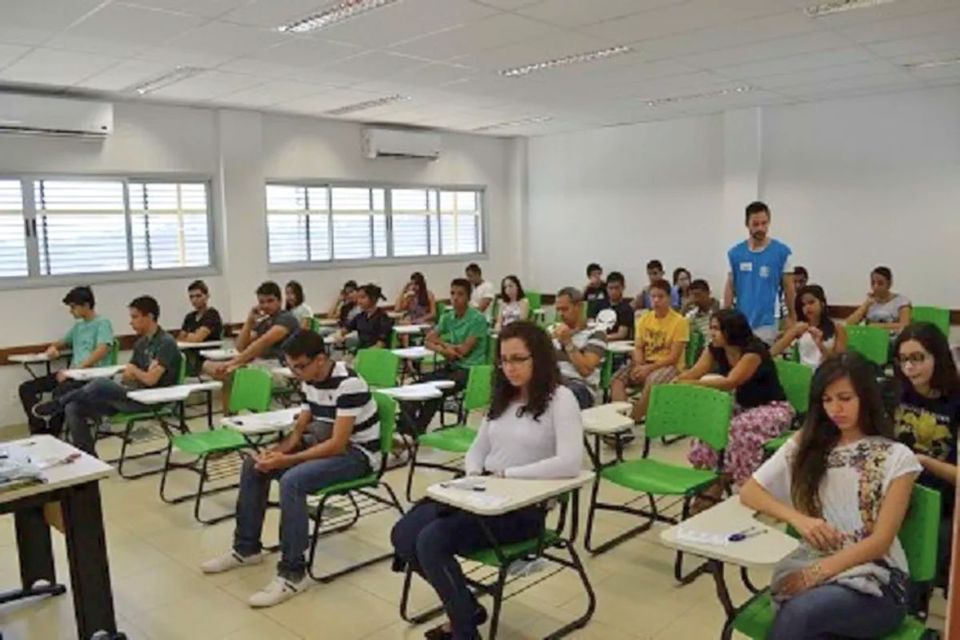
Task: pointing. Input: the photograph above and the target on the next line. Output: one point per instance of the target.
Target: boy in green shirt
(90, 340)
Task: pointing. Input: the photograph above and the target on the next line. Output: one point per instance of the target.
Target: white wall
(852, 183)
(239, 150)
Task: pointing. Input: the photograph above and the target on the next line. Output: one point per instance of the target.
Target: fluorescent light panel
(839, 6)
(178, 74)
(514, 123)
(579, 58)
(334, 15)
(367, 104)
(705, 95)
(930, 64)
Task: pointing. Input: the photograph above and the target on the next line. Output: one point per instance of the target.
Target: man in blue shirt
(758, 268)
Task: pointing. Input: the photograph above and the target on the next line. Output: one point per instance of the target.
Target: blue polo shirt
(757, 277)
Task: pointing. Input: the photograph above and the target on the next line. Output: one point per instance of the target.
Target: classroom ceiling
(443, 56)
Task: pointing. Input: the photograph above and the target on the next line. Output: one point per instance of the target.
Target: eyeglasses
(911, 359)
(514, 361)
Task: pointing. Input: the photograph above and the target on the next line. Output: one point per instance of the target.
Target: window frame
(36, 280)
(390, 259)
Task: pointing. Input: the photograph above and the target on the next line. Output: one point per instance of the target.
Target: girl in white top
(816, 335)
(514, 305)
(293, 293)
(844, 484)
(883, 308)
(533, 430)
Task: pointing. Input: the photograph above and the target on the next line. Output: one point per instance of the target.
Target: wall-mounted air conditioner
(400, 143)
(26, 114)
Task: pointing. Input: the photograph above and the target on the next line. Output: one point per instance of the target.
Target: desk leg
(89, 570)
(36, 557)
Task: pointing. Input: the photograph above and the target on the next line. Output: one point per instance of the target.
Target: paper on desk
(686, 534)
(485, 500)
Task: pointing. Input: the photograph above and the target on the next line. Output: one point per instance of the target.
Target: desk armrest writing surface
(413, 353)
(607, 418)
(47, 449)
(620, 346)
(516, 493)
(263, 423)
(93, 372)
(207, 344)
(419, 391)
(728, 517)
(175, 393)
(219, 354)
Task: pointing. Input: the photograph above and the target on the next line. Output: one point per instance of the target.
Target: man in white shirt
(483, 292)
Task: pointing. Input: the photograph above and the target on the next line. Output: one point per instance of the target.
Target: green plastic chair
(454, 438)
(606, 375)
(534, 300)
(918, 535)
(873, 343)
(127, 420)
(378, 367)
(114, 356)
(795, 379)
(675, 410)
(362, 488)
(937, 316)
(251, 392)
(695, 347)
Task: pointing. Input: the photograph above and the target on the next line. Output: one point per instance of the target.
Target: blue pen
(749, 532)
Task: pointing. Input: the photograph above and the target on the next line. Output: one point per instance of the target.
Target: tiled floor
(160, 594)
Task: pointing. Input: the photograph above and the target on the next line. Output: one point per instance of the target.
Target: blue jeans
(582, 392)
(296, 483)
(97, 398)
(834, 611)
(431, 535)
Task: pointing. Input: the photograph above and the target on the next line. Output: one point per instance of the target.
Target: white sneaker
(279, 590)
(230, 560)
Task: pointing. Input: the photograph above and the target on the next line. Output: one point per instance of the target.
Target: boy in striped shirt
(335, 438)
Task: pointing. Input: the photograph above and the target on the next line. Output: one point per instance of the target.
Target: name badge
(764, 271)
(746, 266)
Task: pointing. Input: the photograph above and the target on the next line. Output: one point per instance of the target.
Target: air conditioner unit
(41, 115)
(399, 143)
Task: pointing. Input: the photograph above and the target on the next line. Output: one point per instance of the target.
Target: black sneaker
(47, 410)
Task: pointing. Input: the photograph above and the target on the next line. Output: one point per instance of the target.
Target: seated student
(704, 306)
(201, 324)
(844, 485)
(461, 338)
(155, 362)
(294, 303)
(260, 341)
(336, 438)
(483, 294)
(623, 328)
(816, 335)
(654, 272)
(345, 306)
(533, 430)
(661, 342)
(800, 279)
(761, 410)
(580, 351)
(514, 305)
(928, 417)
(372, 325)
(595, 293)
(416, 302)
(681, 289)
(883, 308)
(90, 340)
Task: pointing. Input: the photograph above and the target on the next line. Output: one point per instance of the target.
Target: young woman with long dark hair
(416, 301)
(816, 334)
(883, 308)
(844, 485)
(533, 430)
(514, 305)
(296, 304)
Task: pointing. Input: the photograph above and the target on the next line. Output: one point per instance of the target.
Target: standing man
(483, 293)
(758, 267)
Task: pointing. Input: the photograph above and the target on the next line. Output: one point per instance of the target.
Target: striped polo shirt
(588, 341)
(344, 393)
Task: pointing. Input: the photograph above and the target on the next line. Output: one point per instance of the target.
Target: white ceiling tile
(917, 45)
(489, 33)
(507, 5)
(122, 31)
(889, 11)
(208, 85)
(124, 75)
(205, 8)
(326, 101)
(375, 64)
(273, 13)
(59, 68)
(850, 87)
(791, 64)
(937, 73)
(274, 71)
(10, 52)
(851, 73)
(35, 21)
(917, 25)
(565, 13)
(555, 45)
(765, 50)
(227, 39)
(306, 52)
(271, 93)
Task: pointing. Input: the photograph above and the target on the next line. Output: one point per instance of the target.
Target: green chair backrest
(492, 346)
(182, 371)
(315, 324)
(695, 347)
(534, 300)
(387, 415)
(689, 410)
(795, 379)
(442, 308)
(251, 390)
(606, 373)
(378, 367)
(873, 343)
(919, 533)
(937, 316)
(114, 355)
(477, 394)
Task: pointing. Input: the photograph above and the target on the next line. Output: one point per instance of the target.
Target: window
(91, 225)
(338, 223)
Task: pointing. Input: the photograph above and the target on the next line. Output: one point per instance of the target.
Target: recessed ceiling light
(514, 123)
(338, 13)
(839, 6)
(930, 64)
(367, 104)
(178, 74)
(579, 58)
(658, 102)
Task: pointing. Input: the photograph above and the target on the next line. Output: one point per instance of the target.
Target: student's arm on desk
(334, 446)
(200, 335)
(702, 367)
(261, 345)
(292, 440)
(148, 378)
(741, 373)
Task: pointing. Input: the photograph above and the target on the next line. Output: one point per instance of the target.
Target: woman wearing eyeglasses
(532, 430)
(928, 416)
